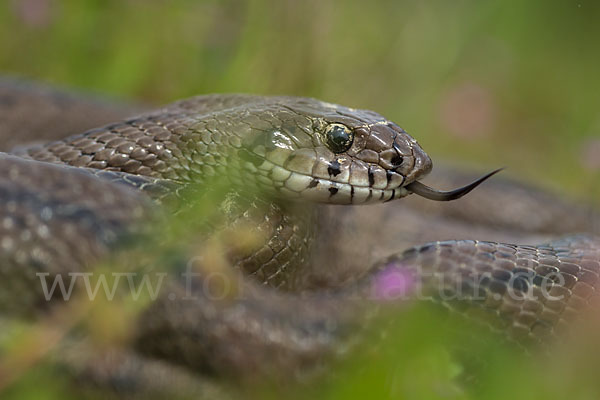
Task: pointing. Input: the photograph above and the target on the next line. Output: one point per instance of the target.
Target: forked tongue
(432, 194)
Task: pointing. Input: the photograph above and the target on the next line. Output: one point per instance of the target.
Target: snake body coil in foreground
(67, 204)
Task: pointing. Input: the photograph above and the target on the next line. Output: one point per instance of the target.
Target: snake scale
(67, 204)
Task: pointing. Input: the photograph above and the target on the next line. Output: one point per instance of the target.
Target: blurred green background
(499, 83)
(492, 83)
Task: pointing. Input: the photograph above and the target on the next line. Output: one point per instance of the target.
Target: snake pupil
(339, 138)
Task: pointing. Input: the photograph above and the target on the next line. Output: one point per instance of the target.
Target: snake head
(329, 153)
(324, 152)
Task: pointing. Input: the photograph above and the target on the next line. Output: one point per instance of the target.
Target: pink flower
(394, 282)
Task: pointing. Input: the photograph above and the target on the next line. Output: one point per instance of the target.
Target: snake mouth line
(271, 176)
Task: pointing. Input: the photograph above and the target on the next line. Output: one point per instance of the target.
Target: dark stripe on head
(391, 198)
(334, 168)
(388, 175)
(371, 177)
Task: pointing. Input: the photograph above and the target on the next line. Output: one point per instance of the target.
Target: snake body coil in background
(304, 288)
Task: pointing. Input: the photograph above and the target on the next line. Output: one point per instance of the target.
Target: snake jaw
(423, 190)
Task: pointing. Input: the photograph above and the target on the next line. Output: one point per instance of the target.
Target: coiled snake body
(66, 204)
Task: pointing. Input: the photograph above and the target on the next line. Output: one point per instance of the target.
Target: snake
(287, 165)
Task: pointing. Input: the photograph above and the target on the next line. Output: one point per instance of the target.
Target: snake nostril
(391, 159)
(397, 161)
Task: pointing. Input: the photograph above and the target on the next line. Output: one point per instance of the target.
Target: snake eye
(339, 137)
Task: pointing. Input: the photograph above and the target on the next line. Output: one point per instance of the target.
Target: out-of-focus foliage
(511, 83)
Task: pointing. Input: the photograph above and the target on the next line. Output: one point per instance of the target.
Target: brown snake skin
(68, 204)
